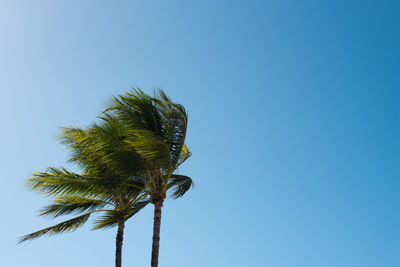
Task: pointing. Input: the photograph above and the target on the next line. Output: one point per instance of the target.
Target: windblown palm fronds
(103, 187)
(128, 159)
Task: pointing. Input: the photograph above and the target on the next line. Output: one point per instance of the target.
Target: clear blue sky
(294, 126)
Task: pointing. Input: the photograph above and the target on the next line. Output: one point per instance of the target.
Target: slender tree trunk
(118, 244)
(156, 233)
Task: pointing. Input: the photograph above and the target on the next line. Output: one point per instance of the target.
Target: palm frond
(157, 114)
(69, 225)
(180, 184)
(73, 204)
(174, 124)
(153, 152)
(61, 181)
(113, 217)
(137, 110)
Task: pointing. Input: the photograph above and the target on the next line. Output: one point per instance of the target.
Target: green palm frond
(111, 140)
(153, 152)
(109, 219)
(69, 225)
(158, 115)
(174, 124)
(97, 147)
(113, 217)
(137, 206)
(86, 150)
(73, 204)
(135, 181)
(180, 184)
(61, 181)
(78, 141)
(137, 109)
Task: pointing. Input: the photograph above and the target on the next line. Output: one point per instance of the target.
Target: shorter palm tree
(98, 190)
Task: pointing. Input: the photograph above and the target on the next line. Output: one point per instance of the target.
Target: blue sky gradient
(294, 126)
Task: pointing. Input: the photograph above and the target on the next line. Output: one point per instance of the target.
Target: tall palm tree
(156, 129)
(99, 189)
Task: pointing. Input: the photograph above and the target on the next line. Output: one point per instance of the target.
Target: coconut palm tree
(99, 189)
(155, 142)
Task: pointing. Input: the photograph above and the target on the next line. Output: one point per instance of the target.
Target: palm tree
(99, 189)
(156, 131)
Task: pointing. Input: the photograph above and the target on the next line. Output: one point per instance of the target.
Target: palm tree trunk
(156, 233)
(118, 244)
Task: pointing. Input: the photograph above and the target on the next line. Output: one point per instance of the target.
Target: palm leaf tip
(69, 225)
